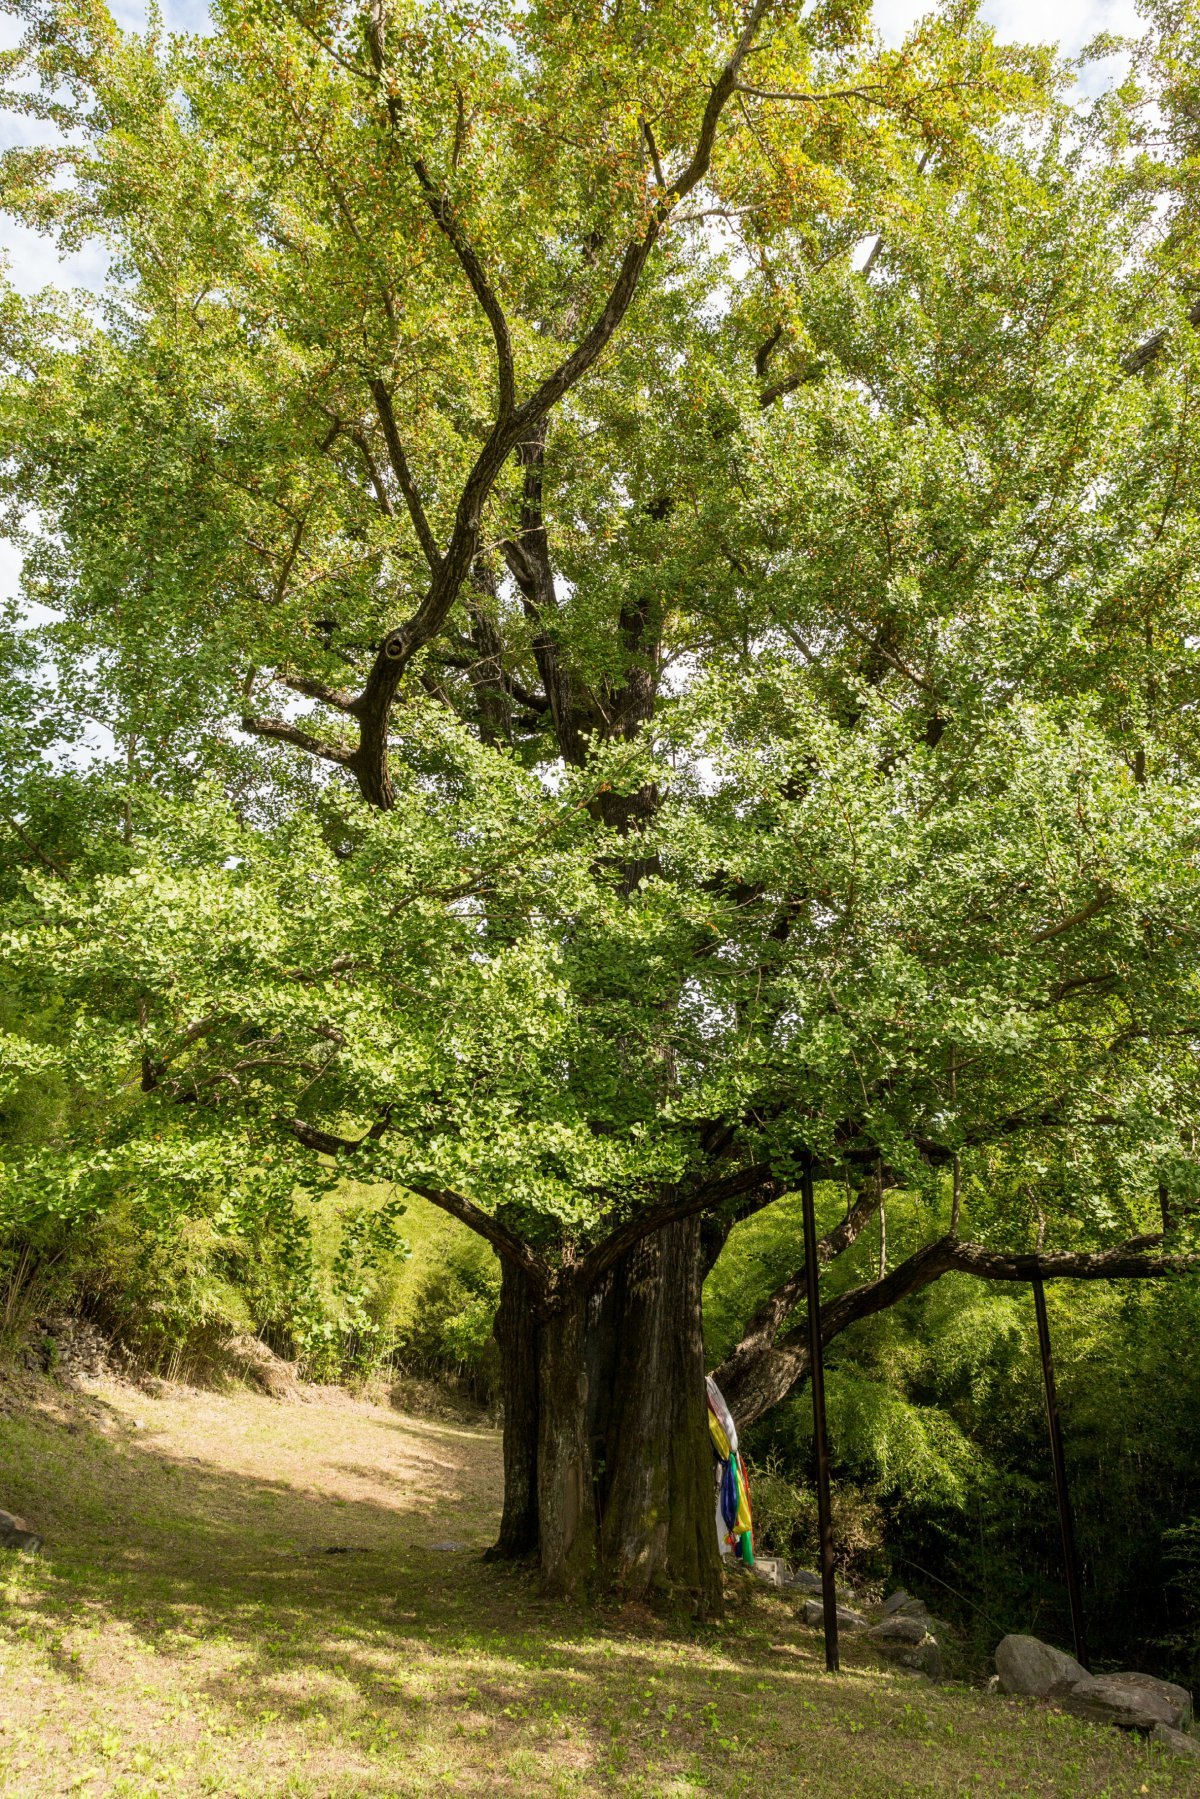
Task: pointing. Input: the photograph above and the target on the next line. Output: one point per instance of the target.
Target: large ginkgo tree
(638, 561)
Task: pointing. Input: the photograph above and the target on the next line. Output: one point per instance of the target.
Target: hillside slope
(243, 1596)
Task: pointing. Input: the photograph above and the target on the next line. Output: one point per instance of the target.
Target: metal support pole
(1065, 1520)
(816, 1375)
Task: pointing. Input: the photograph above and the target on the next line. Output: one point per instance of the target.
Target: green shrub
(785, 1524)
(33, 1280)
(348, 1284)
(444, 1318)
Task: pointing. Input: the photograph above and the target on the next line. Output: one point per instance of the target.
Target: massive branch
(582, 1274)
(504, 1241)
(447, 222)
(755, 1377)
(403, 474)
(759, 1336)
(282, 732)
(707, 1197)
(529, 562)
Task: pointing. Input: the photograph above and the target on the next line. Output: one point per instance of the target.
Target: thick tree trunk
(566, 1496)
(517, 1340)
(648, 1422)
(625, 1467)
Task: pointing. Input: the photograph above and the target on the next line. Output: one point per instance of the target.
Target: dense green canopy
(615, 689)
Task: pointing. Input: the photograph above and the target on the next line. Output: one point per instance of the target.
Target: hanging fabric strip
(735, 1526)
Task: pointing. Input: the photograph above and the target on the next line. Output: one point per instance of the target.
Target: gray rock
(1130, 1701)
(1168, 1689)
(814, 1613)
(900, 1630)
(1175, 1742)
(905, 1604)
(16, 1534)
(907, 1641)
(805, 1580)
(1027, 1665)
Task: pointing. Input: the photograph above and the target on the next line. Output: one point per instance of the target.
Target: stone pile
(901, 1630)
(70, 1348)
(1157, 1708)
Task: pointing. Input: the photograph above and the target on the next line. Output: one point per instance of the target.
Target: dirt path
(241, 1596)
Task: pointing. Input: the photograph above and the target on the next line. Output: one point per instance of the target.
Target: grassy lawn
(187, 1630)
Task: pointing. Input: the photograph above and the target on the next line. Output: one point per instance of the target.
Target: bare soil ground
(244, 1596)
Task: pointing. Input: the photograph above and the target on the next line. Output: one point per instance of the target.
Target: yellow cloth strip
(720, 1440)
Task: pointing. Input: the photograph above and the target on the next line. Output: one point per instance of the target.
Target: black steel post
(1065, 1520)
(816, 1375)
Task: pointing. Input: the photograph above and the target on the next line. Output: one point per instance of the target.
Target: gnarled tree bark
(648, 1421)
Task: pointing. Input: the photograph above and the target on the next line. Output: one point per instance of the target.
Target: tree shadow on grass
(227, 1577)
(379, 1669)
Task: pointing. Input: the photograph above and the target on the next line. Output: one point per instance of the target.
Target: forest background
(117, 852)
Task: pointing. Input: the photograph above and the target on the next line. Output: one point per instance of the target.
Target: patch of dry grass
(187, 1631)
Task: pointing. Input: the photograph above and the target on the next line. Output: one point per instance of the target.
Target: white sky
(34, 263)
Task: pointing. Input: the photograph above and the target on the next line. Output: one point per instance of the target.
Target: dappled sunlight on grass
(189, 1630)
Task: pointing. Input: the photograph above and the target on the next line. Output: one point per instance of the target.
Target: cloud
(1069, 23)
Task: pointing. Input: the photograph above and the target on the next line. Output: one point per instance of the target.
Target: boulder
(1168, 1689)
(1027, 1665)
(1130, 1701)
(907, 1641)
(16, 1534)
(814, 1613)
(899, 1629)
(1175, 1742)
(904, 1604)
